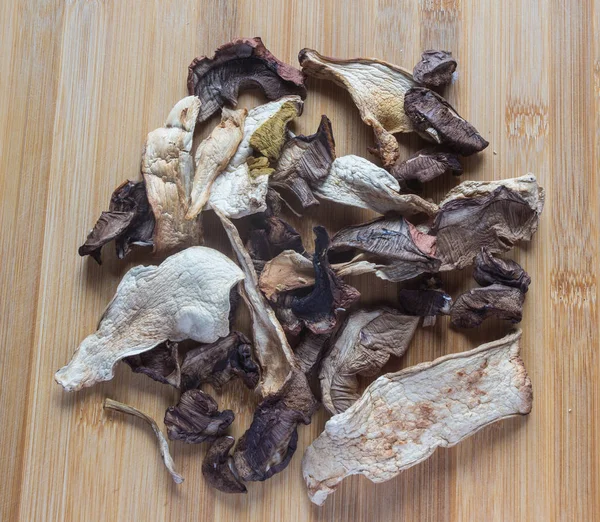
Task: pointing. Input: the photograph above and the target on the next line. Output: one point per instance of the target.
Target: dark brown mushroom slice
(435, 68)
(242, 64)
(310, 350)
(304, 161)
(477, 305)
(434, 118)
(218, 468)
(423, 303)
(491, 270)
(425, 165)
(161, 363)
(196, 418)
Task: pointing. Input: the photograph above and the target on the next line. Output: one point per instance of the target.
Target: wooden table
(82, 83)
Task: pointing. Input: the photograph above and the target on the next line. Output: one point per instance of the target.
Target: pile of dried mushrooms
(311, 339)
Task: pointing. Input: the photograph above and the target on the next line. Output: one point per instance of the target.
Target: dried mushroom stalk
(362, 346)
(185, 297)
(377, 89)
(490, 214)
(161, 363)
(241, 64)
(435, 68)
(426, 165)
(477, 305)
(491, 270)
(109, 404)
(356, 182)
(218, 468)
(403, 417)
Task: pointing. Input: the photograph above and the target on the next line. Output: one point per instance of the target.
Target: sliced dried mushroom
(218, 468)
(109, 404)
(490, 270)
(424, 303)
(356, 182)
(310, 351)
(438, 121)
(435, 68)
(377, 89)
(425, 165)
(362, 346)
(403, 417)
(288, 271)
(477, 305)
(241, 64)
(490, 214)
(161, 363)
(185, 297)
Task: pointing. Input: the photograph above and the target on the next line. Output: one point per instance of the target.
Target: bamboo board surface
(84, 81)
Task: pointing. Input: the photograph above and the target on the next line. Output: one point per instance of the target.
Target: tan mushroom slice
(377, 89)
(288, 271)
(477, 305)
(435, 68)
(168, 169)
(185, 297)
(356, 182)
(403, 417)
(491, 270)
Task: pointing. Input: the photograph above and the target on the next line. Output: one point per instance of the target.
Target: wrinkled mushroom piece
(363, 345)
(288, 271)
(403, 417)
(377, 89)
(161, 364)
(310, 351)
(435, 68)
(424, 303)
(109, 404)
(218, 468)
(356, 182)
(491, 270)
(477, 305)
(490, 214)
(241, 64)
(425, 165)
(185, 297)
(435, 119)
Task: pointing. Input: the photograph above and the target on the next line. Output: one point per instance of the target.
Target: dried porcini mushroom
(288, 271)
(391, 247)
(243, 63)
(435, 119)
(185, 297)
(403, 417)
(218, 468)
(435, 68)
(477, 305)
(362, 346)
(310, 351)
(490, 214)
(356, 182)
(491, 270)
(304, 161)
(161, 363)
(196, 418)
(423, 303)
(129, 221)
(425, 165)
(377, 89)
(109, 404)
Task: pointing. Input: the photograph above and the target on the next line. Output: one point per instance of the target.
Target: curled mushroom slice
(161, 363)
(168, 169)
(356, 182)
(490, 270)
(362, 346)
(185, 297)
(425, 165)
(477, 305)
(288, 271)
(109, 404)
(218, 468)
(424, 303)
(241, 64)
(435, 119)
(377, 89)
(490, 214)
(435, 68)
(403, 417)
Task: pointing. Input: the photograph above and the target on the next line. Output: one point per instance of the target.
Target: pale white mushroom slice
(185, 297)
(403, 417)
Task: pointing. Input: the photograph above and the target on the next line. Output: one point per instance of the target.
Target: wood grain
(82, 83)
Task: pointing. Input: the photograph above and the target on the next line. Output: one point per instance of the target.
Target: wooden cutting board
(83, 81)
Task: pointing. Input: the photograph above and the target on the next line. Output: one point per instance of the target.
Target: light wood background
(81, 84)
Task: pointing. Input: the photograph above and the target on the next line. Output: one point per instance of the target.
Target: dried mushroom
(129, 221)
(491, 270)
(490, 214)
(161, 363)
(356, 182)
(477, 305)
(185, 297)
(362, 346)
(435, 68)
(424, 303)
(310, 351)
(244, 63)
(403, 417)
(304, 161)
(196, 418)
(377, 89)
(288, 271)
(218, 469)
(109, 404)
(425, 165)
